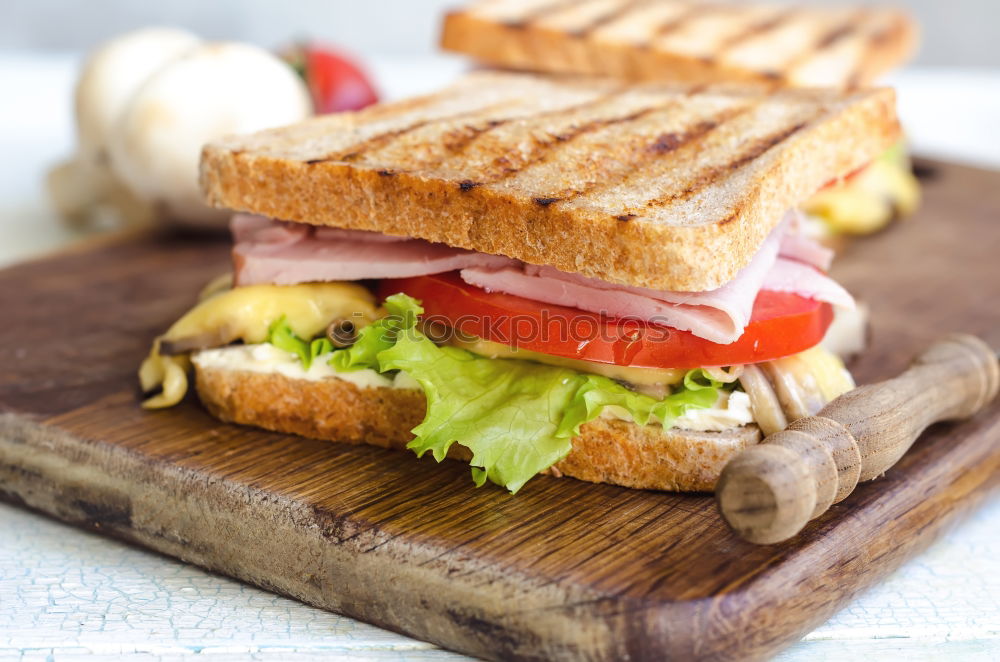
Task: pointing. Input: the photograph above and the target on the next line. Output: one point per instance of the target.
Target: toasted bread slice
(655, 185)
(680, 40)
(606, 451)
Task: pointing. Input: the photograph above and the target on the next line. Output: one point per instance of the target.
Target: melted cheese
(268, 359)
(819, 370)
(866, 202)
(246, 313)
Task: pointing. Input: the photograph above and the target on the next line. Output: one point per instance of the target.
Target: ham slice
(806, 281)
(806, 249)
(279, 253)
(718, 315)
(268, 251)
(265, 231)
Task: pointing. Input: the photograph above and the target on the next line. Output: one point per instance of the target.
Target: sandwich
(530, 274)
(711, 42)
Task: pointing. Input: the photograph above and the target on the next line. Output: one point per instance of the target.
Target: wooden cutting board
(564, 570)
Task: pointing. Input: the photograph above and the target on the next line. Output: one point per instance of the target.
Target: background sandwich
(600, 280)
(711, 42)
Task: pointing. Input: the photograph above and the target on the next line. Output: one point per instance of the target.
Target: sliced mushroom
(798, 388)
(724, 375)
(342, 333)
(767, 411)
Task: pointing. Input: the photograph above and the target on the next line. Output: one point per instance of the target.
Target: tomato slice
(846, 179)
(782, 324)
(336, 83)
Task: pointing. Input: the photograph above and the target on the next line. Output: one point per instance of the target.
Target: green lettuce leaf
(599, 392)
(896, 154)
(280, 335)
(401, 313)
(517, 417)
(507, 412)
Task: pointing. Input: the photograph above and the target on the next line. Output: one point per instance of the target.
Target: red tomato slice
(335, 82)
(845, 179)
(782, 324)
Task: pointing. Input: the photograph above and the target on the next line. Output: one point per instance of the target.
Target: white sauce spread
(266, 358)
(731, 410)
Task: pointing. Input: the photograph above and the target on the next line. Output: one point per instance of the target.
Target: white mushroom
(210, 91)
(111, 76)
(84, 188)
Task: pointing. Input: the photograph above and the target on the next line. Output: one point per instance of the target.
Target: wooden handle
(769, 492)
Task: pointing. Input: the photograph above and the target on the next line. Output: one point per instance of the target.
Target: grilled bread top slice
(655, 185)
(681, 40)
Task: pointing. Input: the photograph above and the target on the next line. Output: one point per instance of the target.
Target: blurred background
(956, 32)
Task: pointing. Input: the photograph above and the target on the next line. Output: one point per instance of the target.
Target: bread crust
(872, 42)
(688, 209)
(607, 450)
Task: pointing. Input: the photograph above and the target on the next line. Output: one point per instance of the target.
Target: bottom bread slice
(606, 451)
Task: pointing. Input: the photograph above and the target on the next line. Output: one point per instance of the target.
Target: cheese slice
(636, 376)
(867, 202)
(246, 314)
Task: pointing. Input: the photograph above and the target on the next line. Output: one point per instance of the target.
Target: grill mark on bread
(676, 23)
(876, 40)
(357, 150)
(458, 141)
(461, 146)
(546, 149)
(753, 31)
(835, 35)
(540, 12)
(666, 144)
(619, 13)
(710, 174)
(403, 105)
(828, 40)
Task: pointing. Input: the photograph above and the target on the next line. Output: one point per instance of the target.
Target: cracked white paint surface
(66, 594)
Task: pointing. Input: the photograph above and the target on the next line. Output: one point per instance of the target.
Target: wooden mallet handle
(770, 491)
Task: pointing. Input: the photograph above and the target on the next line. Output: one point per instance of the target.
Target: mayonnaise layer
(268, 359)
(731, 410)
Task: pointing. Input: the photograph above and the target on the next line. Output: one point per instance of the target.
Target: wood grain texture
(564, 570)
(770, 491)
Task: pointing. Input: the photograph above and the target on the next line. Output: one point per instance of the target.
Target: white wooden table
(66, 594)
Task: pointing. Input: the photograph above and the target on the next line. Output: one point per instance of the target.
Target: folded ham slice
(718, 315)
(806, 249)
(275, 252)
(806, 281)
(280, 253)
